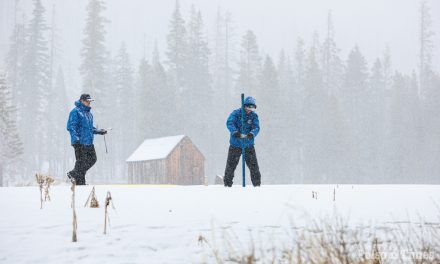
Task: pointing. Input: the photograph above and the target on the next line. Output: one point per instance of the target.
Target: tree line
(324, 118)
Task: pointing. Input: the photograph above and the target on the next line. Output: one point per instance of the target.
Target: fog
(372, 24)
(373, 117)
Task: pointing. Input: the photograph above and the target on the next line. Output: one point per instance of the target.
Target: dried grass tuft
(334, 241)
(92, 201)
(47, 183)
(44, 182)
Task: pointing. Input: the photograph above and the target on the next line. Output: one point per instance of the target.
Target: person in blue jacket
(81, 129)
(246, 137)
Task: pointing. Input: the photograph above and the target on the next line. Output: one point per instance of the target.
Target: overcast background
(372, 24)
(353, 105)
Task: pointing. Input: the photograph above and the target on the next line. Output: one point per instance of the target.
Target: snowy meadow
(213, 224)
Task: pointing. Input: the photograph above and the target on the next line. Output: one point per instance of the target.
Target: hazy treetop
(371, 24)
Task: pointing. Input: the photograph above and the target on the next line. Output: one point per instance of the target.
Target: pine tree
(176, 60)
(271, 100)
(286, 78)
(11, 147)
(94, 55)
(123, 106)
(300, 55)
(123, 81)
(323, 128)
(432, 129)
(270, 87)
(58, 158)
(332, 64)
(387, 68)
(287, 103)
(426, 48)
(143, 101)
(313, 71)
(314, 99)
(429, 92)
(355, 81)
(223, 55)
(94, 69)
(378, 115)
(198, 91)
(154, 96)
(403, 140)
(250, 65)
(333, 120)
(384, 81)
(416, 142)
(54, 48)
(377, 84)
(163, 98)
(197, 72)
(177, 48)
(14, 59)
(299, 109)
(36, 88)
(57, 140)
(355, 105)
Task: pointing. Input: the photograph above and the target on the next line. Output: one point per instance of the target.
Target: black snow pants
(234, 154)
(85, 158)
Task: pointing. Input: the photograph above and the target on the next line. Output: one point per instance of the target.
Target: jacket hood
(250, 101)
(82, 106)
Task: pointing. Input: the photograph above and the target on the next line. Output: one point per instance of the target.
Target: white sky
(372, 24)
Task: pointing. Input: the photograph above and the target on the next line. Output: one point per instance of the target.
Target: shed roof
(155, 148)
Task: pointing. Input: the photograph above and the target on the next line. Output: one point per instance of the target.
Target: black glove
(102, 132)
(236, 134)
(76, 144)
(250, 136)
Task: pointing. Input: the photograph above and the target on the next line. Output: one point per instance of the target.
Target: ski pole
(105, 141)
(243, 168)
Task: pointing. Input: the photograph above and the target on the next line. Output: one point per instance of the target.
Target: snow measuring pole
(242, 141)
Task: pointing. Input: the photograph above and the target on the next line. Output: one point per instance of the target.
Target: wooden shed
(167, 160)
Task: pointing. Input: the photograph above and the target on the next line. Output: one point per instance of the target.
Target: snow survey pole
(243, 168)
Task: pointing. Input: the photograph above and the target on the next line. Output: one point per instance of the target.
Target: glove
(102, 132)
(236, 134)
(76, 144)
(250, 136)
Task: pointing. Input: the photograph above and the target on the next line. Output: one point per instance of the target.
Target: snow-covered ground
(163, 224)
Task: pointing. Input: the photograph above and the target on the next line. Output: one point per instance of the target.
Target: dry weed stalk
(44, 182)
(376, 253)
(48, 181)
(40, 180)
(75, 224)
(92, 199)
(108, 200)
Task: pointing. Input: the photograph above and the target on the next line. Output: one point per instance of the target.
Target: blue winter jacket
(251, 125)
(80, 125)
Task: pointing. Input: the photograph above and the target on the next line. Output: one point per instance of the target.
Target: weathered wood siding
(147, 172)
(186, 164)
(183, 166)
